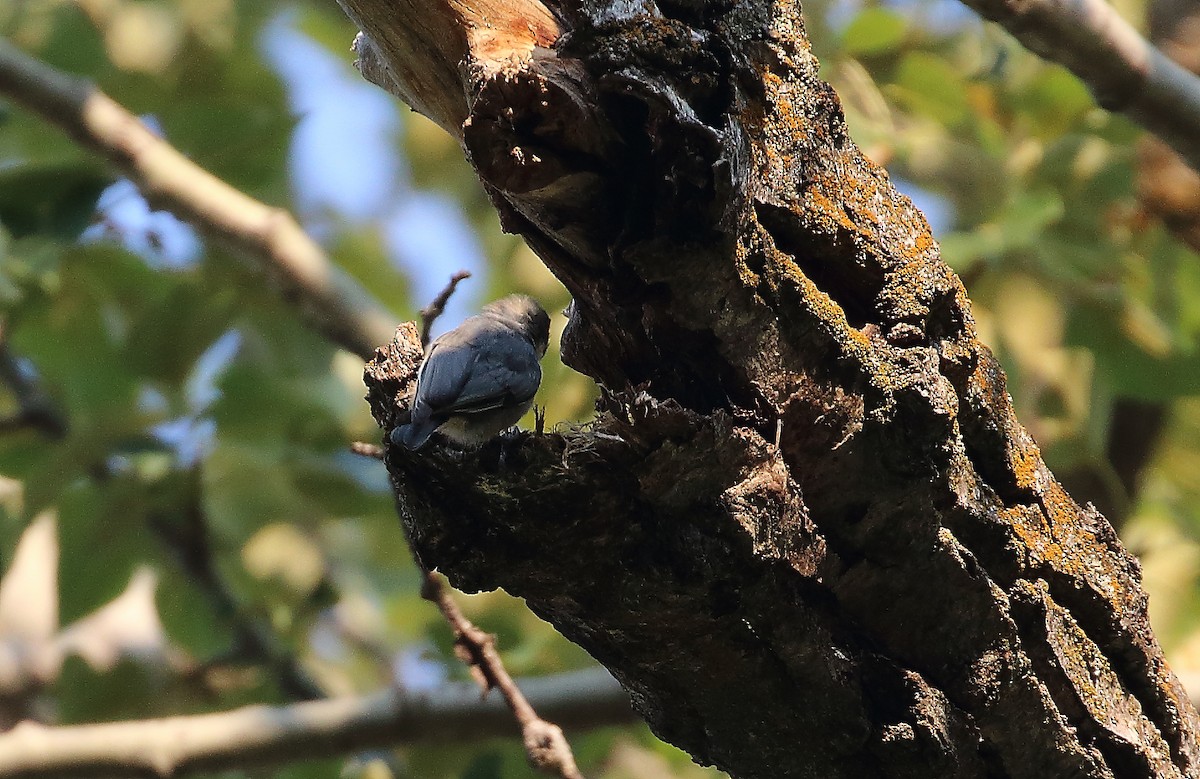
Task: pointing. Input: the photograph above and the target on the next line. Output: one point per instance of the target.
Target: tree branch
(328, 300)
(1166, 185)
(545, 745)
(365, 449)
(265, 734)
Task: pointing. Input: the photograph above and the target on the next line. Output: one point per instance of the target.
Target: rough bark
(806, 531)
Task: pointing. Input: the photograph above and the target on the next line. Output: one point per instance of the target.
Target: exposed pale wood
(419, 49)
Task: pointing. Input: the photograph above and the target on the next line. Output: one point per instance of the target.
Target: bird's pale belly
(477, 429)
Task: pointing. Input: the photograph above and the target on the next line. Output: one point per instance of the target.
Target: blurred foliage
(207, 429)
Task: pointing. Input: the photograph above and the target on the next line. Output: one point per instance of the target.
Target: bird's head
(526, 314)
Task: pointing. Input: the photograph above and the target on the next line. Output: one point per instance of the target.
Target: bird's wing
(462, 378)
(443, 374)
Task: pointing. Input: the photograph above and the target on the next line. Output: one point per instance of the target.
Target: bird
(478, 379)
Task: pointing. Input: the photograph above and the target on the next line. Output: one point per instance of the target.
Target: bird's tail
(414, 435)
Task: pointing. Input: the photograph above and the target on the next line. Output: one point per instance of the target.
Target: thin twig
(175, 746)
(545, 745)
(431, 312)
(326, 298)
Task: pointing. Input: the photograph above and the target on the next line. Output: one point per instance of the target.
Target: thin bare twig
(327, 299)
(431, 312)
(545, 744)
(175, 746)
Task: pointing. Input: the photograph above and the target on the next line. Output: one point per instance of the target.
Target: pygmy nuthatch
(478, 379)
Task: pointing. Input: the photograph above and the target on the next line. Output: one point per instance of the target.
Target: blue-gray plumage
(480, 378)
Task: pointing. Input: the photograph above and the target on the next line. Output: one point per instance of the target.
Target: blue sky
(347, 164)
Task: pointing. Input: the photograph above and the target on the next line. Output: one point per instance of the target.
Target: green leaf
(930, 85)
(74, 44)
(1056, 99)
(874, 31)
(170, 333)
(246, 486)
(1123, 362)
(127, 692)
(51, 196)
(325, 482)
(1028, 216)
(361, 253)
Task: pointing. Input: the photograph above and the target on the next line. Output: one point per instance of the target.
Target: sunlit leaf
(1125, 366)
(873, 31)
(128, 627)
(281, 552)
(931, 86)
(29, 588)
(1056, 99)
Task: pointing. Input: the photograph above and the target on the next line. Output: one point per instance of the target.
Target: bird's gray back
(477, 366)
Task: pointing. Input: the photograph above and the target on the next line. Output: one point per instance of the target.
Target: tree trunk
(806, 531)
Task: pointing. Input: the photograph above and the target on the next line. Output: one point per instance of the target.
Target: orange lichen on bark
(1025, 461)
(827, 210)
(834, 319)
(778, 125)
(1036, 537)
(1053, 538)
(824, 308)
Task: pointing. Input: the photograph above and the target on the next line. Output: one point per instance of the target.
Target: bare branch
(420, 63)
(328, 301)
(261, 734)
(431, 312)
(1167, 187)
(545, 744)
(1124, 71)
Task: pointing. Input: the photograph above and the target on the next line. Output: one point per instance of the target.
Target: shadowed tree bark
(806, 531)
